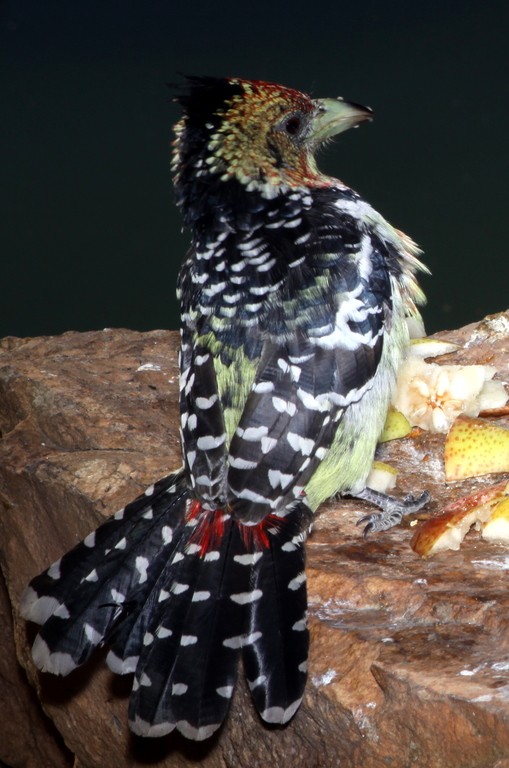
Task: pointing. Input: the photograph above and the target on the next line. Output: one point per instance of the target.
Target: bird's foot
(393, 509)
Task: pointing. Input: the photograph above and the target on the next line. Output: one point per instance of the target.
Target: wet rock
(409, 658)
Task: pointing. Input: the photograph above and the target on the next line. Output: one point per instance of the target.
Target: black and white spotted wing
(301, 390)
(188, 663)
(86, 595)
(275, 659)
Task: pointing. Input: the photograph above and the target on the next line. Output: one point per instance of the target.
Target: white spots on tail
(121, 666)
(211, 556)
(225, 691)
(259, 681)
(297, 582)
(300, 625)
(116, 596)
(143, 728)
(178, 689)
(244, 598)
(35, 608)
(280, 715)
(163, 632)
(92, 576)
(57, 663)
(200, 596)
(196, 734)
(166, 534)
(248, 559)
(141, 565)
(54, 570)
(145, 680)
(92, 635)
(240, 641)
(121, 544)
(62, 612)
(177, 588)
(188, 640)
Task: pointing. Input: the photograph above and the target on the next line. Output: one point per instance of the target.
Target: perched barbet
(295, 297)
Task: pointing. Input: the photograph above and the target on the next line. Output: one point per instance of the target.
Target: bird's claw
(392, 509)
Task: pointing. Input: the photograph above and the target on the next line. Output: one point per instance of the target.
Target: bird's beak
(334, 116)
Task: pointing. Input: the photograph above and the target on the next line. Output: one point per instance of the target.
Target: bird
(295, 297)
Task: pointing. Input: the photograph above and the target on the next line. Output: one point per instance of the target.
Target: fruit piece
(427, 347)
(396, 426)
(382, 477)
(431, 396)
(475, 447)
(449, 529)
(497, 527)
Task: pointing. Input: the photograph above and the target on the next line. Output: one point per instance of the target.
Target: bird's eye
(293, 124)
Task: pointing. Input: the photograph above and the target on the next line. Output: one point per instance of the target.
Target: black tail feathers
(178, 597)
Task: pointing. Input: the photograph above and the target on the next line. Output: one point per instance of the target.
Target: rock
(409, 658)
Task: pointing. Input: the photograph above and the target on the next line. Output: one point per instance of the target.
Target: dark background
(89, 234)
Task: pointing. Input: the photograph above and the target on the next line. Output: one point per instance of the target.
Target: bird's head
(260, 134)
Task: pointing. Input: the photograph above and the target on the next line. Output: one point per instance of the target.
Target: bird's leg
(393, 509)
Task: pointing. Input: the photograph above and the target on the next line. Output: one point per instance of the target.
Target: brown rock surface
(409, 658)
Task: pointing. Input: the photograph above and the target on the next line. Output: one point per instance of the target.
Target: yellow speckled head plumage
(218, 135)
(270, 151)
(271, 148)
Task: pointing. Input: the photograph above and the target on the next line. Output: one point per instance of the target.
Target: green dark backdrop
(89, 235)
